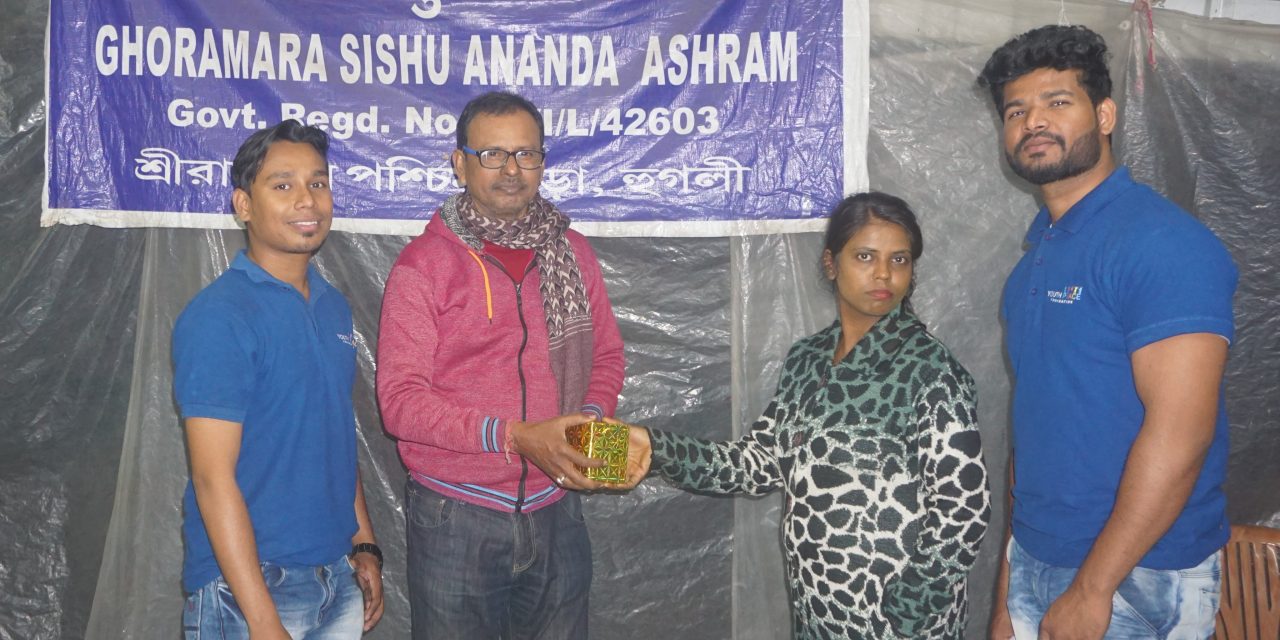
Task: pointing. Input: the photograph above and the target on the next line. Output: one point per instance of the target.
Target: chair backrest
(1250, 602)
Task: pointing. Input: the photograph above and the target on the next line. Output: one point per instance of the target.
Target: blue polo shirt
(250, 349)
(1122, 269)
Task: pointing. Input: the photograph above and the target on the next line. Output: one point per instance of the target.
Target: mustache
(1043, 134)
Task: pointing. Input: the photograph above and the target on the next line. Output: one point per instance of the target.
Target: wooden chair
(1250, 602)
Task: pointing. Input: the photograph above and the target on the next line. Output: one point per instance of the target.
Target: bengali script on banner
(693, 117)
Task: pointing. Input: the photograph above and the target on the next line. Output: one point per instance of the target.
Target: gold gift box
(605, 441)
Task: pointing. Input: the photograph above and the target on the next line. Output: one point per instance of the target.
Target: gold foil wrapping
(605, 441)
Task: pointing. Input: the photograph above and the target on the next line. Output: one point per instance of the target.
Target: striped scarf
(564, 295)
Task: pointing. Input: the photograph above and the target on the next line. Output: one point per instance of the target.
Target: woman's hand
(639, 455)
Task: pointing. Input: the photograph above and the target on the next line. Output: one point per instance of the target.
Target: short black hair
(244, 169)
(497, 103)
(1062, 48)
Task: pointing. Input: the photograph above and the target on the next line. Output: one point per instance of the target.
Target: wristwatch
(367, 547)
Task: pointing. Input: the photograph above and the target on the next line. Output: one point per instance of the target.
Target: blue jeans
(1150, 603)
(315, 603)
(476, 573)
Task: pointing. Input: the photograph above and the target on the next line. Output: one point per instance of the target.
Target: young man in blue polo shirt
(1118, 319)
(278, 540)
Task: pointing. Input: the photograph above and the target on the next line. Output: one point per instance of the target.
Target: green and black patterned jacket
(880, 458)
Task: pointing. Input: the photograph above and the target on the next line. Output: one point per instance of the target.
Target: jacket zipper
(524, 341)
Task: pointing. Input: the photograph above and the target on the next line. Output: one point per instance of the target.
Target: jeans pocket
(1209, 601)
(1148, 600)
(191, 616)
(426, 508)
(225, 600)
(273, 574)
(1135, 621)
(572, 506)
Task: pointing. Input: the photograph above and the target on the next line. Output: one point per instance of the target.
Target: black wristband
(367, 547)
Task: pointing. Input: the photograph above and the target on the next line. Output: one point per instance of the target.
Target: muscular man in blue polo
(1118, 319)
(278, 540)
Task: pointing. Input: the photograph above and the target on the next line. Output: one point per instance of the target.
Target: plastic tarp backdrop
(94, 466)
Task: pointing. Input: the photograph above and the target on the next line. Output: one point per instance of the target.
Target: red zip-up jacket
(462, 352)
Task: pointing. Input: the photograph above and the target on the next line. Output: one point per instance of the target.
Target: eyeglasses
(497, 158)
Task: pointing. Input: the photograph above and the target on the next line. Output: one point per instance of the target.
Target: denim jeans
(315, 603)
(1150, 603)
(476, 573)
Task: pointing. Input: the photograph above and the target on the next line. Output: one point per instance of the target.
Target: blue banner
(691, 117)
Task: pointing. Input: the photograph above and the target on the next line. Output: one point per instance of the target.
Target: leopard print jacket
(886, 492)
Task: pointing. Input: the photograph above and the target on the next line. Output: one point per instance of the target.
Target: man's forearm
(365, 531)
(1158, 479)
(230, 531)
(1002, 572)
(1177, 380)
(1001, 627)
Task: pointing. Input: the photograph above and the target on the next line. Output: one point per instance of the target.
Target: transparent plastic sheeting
(93, 465)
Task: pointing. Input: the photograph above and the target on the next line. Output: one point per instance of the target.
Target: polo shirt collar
(1087, 208)
(258, 275)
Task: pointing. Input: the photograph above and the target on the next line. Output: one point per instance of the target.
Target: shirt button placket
(1039, 261)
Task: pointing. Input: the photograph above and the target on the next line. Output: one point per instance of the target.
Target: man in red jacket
(496, 336)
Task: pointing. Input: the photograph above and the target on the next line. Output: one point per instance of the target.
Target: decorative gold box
(605, 441)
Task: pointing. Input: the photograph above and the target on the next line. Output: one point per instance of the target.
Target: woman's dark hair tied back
(855, 211)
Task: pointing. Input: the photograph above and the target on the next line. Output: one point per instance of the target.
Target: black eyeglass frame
(538, 155)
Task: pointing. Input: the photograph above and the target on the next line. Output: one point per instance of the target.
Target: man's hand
(1076, 615)
(544, 444)
(1001, 627)
(274, 631)
(369, 576)
(1001, 624)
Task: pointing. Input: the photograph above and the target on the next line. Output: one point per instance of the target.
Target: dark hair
(854, 212)
(244, 170)
(1057, 47)
(497, 103)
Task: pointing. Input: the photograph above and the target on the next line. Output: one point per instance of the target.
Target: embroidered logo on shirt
(1067, 295)
(348, 339)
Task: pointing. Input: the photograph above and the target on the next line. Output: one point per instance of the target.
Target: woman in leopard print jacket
(873, 436)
